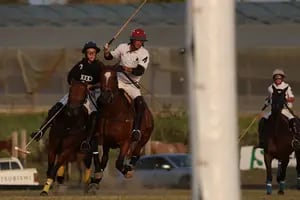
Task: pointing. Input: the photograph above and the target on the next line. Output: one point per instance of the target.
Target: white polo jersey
(288, 94)
(282, 86)
(130, 59)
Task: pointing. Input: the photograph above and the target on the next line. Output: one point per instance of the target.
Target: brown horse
(67, 132)
(116, 122)
(279, 139)
(6, 145)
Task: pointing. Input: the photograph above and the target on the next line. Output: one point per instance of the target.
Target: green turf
(148, 195)
(260, 195)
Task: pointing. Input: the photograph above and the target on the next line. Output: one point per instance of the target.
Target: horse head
(109, 84)
(77, 96)
(278, 100)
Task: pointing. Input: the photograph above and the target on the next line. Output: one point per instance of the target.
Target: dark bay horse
(67, 133)
(278, 146)
(116, 123)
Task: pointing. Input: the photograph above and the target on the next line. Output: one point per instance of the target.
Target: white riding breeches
(131, 89)
(90, 101)
(284, 111)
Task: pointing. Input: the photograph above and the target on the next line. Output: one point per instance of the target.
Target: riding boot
(139, 105)
(296, 135)
(92, 126)
(261, 132)
(293, 126)
(37, 135)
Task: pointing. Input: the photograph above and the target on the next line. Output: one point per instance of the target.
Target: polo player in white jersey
(134, 60)
(278, 84)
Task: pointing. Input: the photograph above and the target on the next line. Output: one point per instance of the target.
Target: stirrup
(296, 144)
(85, 146)
(136, 135)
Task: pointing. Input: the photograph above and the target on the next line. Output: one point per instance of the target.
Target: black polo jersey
(86, 72)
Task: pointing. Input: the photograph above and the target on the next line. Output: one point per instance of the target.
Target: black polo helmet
(90, 44)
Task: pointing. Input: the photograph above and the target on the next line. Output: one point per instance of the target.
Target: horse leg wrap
(281, 185)
(60, 174)
(126, 169)
(298, 182)
(87, 175)
(269, 187)
(48, 185)
(133, 160)
(61, 171)
(98, 176)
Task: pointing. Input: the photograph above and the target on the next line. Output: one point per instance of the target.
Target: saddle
(146, 113)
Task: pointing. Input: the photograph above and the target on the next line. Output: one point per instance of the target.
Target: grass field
(142, 195)
(260, 195)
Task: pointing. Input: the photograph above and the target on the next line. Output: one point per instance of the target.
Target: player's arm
(109, 55)
(142, 65)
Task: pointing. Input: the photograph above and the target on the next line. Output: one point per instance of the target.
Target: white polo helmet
(278, 72)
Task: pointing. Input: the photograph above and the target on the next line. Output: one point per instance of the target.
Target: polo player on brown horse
(279, 136)
(116, 122)
(87, 73)
(289, 98)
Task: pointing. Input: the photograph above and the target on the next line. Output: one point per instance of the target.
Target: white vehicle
(12, 173)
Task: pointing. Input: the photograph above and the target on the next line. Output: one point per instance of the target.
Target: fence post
(14, 142)
(23, 156)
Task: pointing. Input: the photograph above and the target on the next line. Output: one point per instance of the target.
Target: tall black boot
(139, 105)
(37, 135)
(296, 135)
(92, 127)
(293, 126)
(261, 132)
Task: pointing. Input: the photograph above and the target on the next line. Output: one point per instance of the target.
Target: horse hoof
(281, 192)
(44, 193)
(92, 188)
(129, 174)
(86, 189)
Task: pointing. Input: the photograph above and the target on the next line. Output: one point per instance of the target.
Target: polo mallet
(38, 133)
(252, 122)
(127, 22)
